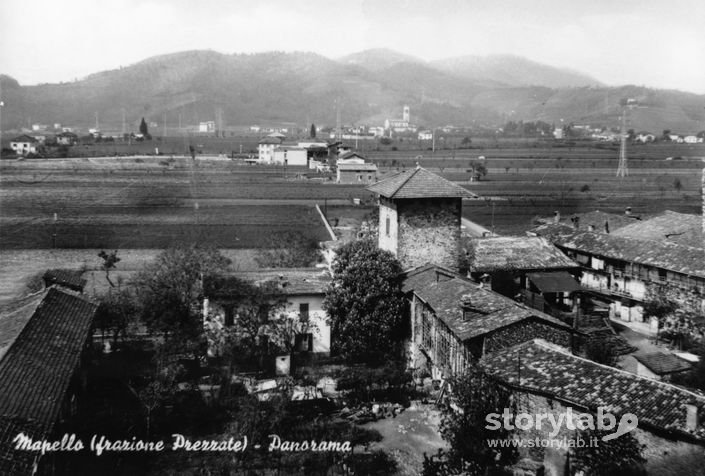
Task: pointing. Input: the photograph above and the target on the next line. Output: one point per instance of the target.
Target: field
(60, 212)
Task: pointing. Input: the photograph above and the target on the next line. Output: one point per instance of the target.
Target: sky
(655, 43)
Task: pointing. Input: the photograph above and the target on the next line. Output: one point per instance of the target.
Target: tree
(116, 311)
(109, 262)
(473, 397)
(365, 303)
(621, 455)
(169, 289)
(312, 133)
(289, 250)
(601, 351)
(144, 130)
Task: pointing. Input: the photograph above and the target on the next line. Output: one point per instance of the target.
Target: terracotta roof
(518, 252)
(419, 183)
(37, 368)
(494, 311)
(681, 228)
(65, 277)
(550, 370)
(554, 282)
(665, 255)
(662, 363)
(293, 281)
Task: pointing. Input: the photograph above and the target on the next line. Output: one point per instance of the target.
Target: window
(303, 342)
(662, 274)
(303, 310)
(386, 221)
(229, 318)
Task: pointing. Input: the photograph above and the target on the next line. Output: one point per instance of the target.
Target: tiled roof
(681, 228)
(17, 462)
(292, 281)
(65, 277)
(518, 252)
(270, 140)
(549, 370)
(37, 368)
(596, 219)
(495, 311)
(14, 316)
(419, 183)
(662, 363)
(554, 282)
(24, 138)
(348, 155)
(357, 167)
(680, 258)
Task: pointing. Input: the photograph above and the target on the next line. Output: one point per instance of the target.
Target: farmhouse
(290, 155)
(455, 321)
(66, 138)
(24, 145)
(43, 344)
(528, 267)
(265, 148)
(356, 173)
(303, 290)
(547, 379)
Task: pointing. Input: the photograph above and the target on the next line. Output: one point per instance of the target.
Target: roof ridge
(544, 344)
(414, 172)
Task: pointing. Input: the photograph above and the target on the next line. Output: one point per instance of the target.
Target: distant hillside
(513, 71)
(367, 87)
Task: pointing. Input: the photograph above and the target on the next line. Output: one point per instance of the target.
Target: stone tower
(419, 217)
(407, 116)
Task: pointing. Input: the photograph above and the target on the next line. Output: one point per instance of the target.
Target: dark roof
(14, 316)
(271, 140)
(349, 154)
(681, 228)
(447, 295)
(662, 363)
(65, 277)
(291, 281)
(37, 368)
(353, 167)
(17, 462)
(549, 370)
(518, 252)
(665, 255)
(419, 183)
(555, 282)
(24, 138)
(596, 219)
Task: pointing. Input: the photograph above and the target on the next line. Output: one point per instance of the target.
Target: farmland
(60, 212)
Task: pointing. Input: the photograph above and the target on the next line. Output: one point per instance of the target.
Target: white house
(265, 148)
(207, 126)
(692, 139)
(24, 145)
(303, 289)
(289, 155)
(425, 135)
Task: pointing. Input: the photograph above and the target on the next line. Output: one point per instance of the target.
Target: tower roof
(419, 183)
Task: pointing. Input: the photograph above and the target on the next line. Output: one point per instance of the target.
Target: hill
(368, 87)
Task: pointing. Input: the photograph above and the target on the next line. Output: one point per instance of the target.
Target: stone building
(419, 218)
(547, 379)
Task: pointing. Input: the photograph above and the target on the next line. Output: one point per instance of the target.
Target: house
(356, 173)
(680, 228)
(660, 365)
(289, 155)
(425, 135)
(645, 137)
(265, 148)
(43, 346)
(630, 271)
(419, 218)
(24, 145)
(350, 157)
(692, 139)
(303, 290)
(66, 138)
(455, 321)
(530, 267)
(547, 379)
(207, 126)
(66, 278)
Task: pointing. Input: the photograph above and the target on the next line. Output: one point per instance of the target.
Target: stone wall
(429, 232)
(525, 331)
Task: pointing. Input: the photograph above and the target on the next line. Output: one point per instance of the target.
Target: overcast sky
(655, 43)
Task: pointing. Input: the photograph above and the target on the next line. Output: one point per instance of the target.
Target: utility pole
(622, 170)
(124, 128)
(164, 133)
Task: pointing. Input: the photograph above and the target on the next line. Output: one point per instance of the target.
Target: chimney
(691, 417)
(628, 211)
(556, 217)
(576, 222)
